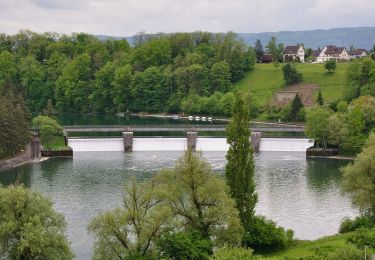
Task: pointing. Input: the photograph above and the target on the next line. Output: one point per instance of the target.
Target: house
(293, 53)
(358, 53)
(267, 58)
(333, 53)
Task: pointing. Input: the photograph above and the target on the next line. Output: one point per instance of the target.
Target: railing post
(256, 138)
(127, 138)
(192, 140)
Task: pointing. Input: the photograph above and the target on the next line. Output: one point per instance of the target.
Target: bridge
(179, 128)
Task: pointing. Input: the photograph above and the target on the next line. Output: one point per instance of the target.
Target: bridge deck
(177, 128)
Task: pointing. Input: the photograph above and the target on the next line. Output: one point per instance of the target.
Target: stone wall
(20, 158)
(57, 153)
(314, 151)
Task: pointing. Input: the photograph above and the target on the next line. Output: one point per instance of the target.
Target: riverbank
(335, 157)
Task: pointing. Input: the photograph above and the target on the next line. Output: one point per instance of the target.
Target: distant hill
(359, 37)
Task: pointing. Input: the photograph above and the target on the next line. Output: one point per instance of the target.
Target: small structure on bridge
(127, 138)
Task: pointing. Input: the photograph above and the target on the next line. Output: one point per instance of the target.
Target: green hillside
(266, 79)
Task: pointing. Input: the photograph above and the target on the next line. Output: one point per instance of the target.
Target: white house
(292, 52)
(358, 53)
(333, 52)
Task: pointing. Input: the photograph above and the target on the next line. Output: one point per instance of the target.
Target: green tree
(291, 75)
(8, 68)
(295, 109)
(358, 179)
(49, 110)
(220, 77)
(330, 65)
(199, 199)
(316, 125)
(320, 100)
(240, 169)
(259, 50)
(121, 91)
(29, 227)
(131, 230)
(48, 127)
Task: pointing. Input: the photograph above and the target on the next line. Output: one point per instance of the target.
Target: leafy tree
(359, 176)
(295, 110)
(291, 75)
(49, 110)
(29, 227)
(131, 230)
(48, 127)
(363, 239)
(8, 69)
(239, 170)
(121, 91)
(184, 245)
(320, 100)
(330, 65)
(199, 199)
(259, 50)
(316, 125)
(275, 49)
(220, 77)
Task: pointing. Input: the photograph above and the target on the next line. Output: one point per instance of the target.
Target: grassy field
(324, 246)
(266, 79)
(56, 143)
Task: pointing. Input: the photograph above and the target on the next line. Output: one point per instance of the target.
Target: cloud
(126, 17)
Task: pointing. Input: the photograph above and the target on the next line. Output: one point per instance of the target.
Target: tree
(316, 125)
(291, 75)
(295, 108)
(259, 50)
(49, 110)
(275, 49)
(240, 169)
(330, 65)
(131, 230)
(8, 69)
(359, 179)
(220, 77)
(319, 100)
(199, 199)
(29, 227)
(48, 127)
(121, 91)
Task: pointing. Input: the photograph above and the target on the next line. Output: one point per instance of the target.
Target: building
(267, 58)
(358, 53)
(333, 53)
(293, 53)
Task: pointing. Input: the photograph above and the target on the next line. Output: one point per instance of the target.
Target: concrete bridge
(179, 128)
(191, 130)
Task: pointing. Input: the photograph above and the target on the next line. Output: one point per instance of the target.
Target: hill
(265, 80)
(359, 37)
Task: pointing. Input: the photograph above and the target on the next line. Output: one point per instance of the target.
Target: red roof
(357, 52)
(291, 50)
(267, 57)
(333, 50)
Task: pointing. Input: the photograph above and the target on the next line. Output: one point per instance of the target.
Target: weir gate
(192, 141)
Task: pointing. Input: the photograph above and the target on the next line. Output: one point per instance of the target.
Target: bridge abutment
(127, 138)
(256, 138)
(192, 140)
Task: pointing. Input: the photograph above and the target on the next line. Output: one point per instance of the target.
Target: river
(300, 194)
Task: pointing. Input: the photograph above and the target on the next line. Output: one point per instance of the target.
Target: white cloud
(126, 17)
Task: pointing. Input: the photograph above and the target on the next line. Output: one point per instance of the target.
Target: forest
(80, 73)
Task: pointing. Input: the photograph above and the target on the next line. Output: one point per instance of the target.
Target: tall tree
(320, 100)
(295, 108)
(29, 227)
(259, 50)
(239, 170)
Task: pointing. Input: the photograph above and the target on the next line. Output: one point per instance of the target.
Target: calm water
(297, 193)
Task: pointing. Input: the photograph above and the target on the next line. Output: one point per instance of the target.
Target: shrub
(229, 253)
(348, 225)
(263, 235)
(347, 253)
(184, 245)
(291, 75)
(330, 65)
(363, 238)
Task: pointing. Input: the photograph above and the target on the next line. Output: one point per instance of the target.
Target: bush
(48, 128)
(263, 235)
(330, 65)
(363, 238)
(229, 253)
(291, 75)
(184, 245)
(348, 225)
(347, 253)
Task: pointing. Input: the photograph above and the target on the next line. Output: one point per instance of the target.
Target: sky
(127, 17)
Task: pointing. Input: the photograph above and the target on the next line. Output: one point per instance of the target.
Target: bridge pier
(255, 140)
(65, 138)
(127, 138)
(192, 140)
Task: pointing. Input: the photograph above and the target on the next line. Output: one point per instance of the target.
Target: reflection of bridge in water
(180, 128)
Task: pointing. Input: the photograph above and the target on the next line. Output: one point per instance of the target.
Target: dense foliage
(29, 227)
(348, 225)
(330, 65)
(80, 73)
(48, 128)
(14, 121)
(360, 79)
(291, 75)
(359, 179)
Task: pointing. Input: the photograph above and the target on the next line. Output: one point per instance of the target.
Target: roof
(315, 53)
(291, 49)
(333, 50)
(267, 57)
(357, 52)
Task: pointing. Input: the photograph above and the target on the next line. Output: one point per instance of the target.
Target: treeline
(14, 121)
(80, 73)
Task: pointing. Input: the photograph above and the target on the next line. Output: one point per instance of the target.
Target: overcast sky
(126, 17)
